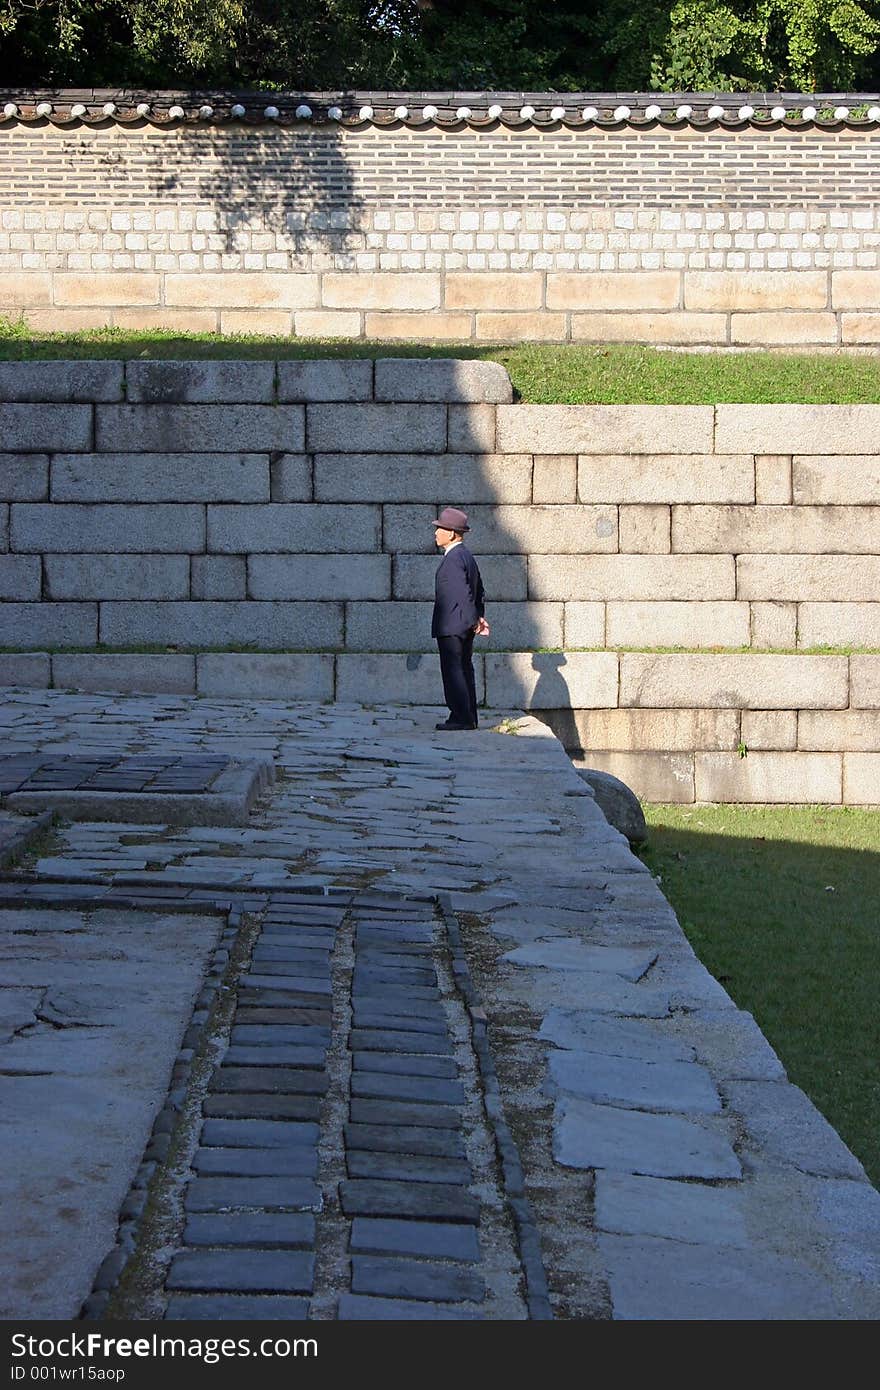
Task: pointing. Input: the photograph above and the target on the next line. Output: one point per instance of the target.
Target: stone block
(665, 478)
(98, 576)
(677, 624)
(584, 624)
(865, 681)
(629, 1141)
(432, 478)
(670, 730)
(61, 381)
(644, 577)
(380, 290)
(653, 776)
(537, 531)
(861, 779)
(645, 529)
(413, 1279)
(855, 289)
(48, 624)
(30, 670)
(733, 681)
(441, 379)
(160, 478)
(428, 1239)
(25, 289)
(803, 578)
(472, 429)
(209, 624)
(772, 479)
(24, 477)
(291, 478)
(607, 429)
(37, 429)
(538, 327)
(634, 1084)
(326, 323)
(851, 478)
(796, 429)
(839, 624)
(603, 327)
(20, 577)
(4, 526)
(398, 679)
(504, 577)
(237, 675)
(171, 674)
(176, 320)
(772, 625)
(112, 290)
(319, 577)
(276, 323)
(776, 530)
(376, 428)
(406, 626)
(670, 1210)
(494, 290)
(70, 528)
(783, 328)
(775, 730)
(640, 289)
(325, 380)
(177, 429)
(768, 777)
(245, 290)
(551, 680)
(860, 328)
(284, 528)
(69, 320)
(742, 290)
(788, 1130)
(423, 328)
(554, 478)
(218, 577)
(175, 383)
(848, 730)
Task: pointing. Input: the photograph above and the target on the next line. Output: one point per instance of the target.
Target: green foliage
(664, 45)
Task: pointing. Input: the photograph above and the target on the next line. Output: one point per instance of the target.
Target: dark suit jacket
(458, 594)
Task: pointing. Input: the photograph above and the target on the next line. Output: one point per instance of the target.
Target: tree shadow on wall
(290, 183)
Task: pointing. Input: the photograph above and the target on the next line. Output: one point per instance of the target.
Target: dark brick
(289, 1079)
(383, 974)
(269, 1107)
(399, 1278)
(405, 1064)
(260, 1230)
(258, 1134)
(296, 1161)
(279, 999)
(422, 1200)
(393, 1112)
(310, 969)
(267, 1055)
(439, 1240)
(397, 1040)
(406, 1167)
(259, 1034)
(377, 1085)
(253, 1194)
(364, 988)
(378, 1019)
(243, 1271)
(232, 1308)
(296, 987)
(295, 1017)
(405, 1139)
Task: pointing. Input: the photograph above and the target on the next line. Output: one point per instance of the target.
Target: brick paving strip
(409, 1175)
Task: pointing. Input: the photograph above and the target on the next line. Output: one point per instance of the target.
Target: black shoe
(450, 726)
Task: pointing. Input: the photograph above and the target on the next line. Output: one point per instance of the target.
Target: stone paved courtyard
(436, 1045)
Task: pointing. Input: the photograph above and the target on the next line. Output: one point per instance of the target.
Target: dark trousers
(459, 686)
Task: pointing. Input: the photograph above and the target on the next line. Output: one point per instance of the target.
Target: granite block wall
(668, 585)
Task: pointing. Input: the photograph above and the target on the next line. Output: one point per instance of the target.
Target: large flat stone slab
(629, 1141)
(678, 1087)
(579, 1030)
(564, 954)
(669, 1281)
(686, 1211)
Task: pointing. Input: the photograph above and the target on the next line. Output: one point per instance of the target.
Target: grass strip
(782, 905)
(573, 374)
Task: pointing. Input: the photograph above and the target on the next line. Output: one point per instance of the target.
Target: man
(458, 618)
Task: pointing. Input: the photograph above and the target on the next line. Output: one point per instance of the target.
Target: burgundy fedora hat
(452, 519)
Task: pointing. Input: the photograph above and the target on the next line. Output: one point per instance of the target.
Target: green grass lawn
(782, 905)
(540, 373)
